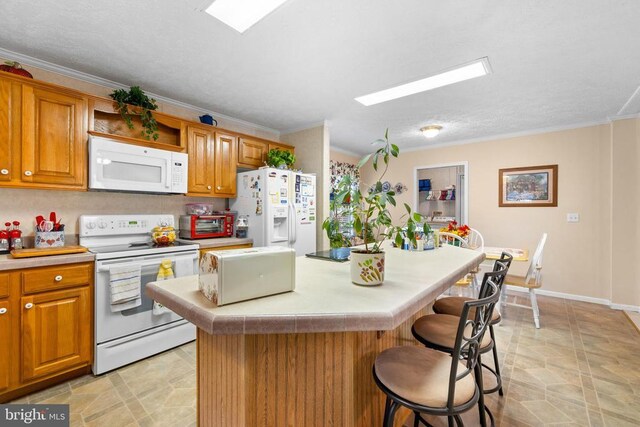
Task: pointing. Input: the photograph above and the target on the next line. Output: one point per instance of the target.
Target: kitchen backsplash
(25, 205)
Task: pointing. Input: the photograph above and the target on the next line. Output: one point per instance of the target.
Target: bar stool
(453, 306)
(436, 383)
(438, 331)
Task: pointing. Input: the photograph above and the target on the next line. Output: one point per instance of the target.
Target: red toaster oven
(219, 224)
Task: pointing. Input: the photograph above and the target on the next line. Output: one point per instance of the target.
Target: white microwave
(124, 167)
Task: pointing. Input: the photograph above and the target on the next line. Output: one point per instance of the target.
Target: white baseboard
(601, 301)
(625, 307)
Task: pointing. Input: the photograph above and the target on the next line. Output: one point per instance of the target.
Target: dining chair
(471, 279)
(431, 382)
(453, 306)
(532, 280)
(439, 332)
(475, 240)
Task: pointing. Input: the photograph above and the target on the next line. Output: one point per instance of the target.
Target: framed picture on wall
(535, 186)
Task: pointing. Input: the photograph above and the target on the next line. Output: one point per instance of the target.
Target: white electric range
(123, 337)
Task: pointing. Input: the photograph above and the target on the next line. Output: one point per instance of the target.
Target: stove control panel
(113, 225)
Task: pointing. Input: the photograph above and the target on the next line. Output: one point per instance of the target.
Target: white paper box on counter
(242, 274)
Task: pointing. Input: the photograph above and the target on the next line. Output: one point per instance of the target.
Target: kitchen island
(305, 357)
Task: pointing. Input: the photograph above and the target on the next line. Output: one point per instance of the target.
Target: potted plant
(145, 105)
(282, 159)
(370, 213)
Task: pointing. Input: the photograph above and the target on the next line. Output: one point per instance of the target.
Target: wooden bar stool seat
(421, 375)
(453, 306)
(439, 330)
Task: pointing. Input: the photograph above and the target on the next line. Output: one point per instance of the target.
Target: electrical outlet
(573, 217)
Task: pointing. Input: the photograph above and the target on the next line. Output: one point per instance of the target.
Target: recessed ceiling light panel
(464, 72)
(242, 14)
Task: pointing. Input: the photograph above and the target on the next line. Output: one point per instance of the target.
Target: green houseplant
(136, 97)
(371, 216)
(278, 158)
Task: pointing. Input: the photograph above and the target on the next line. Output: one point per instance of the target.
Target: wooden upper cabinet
(226, 159)
(200, 149)
(54, 138)
(6, 134)
(6, 344)
(56, 331)
(251, 152)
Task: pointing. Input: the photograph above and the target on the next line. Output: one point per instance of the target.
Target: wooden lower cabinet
(55, 331)
(5, 348)
(46, 333)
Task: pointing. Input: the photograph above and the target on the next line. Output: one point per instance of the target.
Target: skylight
(242, 14)
(461, 73)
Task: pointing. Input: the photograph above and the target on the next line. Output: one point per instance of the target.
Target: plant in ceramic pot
(142, 106)
(282, 159)
(370, 213)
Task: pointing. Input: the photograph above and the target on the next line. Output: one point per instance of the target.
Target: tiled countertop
(325, 300)
(7, 262)
(217, 242)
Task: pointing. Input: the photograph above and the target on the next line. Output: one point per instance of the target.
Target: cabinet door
(6, 134)
(225, 165)
(54, 138)
(251, 153)
(200, 150)
(5, 344)
(56, 331)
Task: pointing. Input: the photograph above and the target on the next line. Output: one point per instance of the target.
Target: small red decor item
(15, 68)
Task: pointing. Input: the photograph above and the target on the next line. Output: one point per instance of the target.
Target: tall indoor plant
(370, 213)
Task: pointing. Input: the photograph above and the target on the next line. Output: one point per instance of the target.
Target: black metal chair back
(471, 328)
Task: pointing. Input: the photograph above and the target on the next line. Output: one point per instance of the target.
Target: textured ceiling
(555, 63)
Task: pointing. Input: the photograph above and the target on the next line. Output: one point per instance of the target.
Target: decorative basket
(49, 239)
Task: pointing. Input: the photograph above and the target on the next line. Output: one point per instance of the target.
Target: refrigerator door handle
(294, 224)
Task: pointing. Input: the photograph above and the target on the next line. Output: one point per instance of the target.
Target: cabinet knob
(219, 188)
(28, 173)
(3, 310)
(58, 278)
(4, 171)
(28, 305)
(208, 187)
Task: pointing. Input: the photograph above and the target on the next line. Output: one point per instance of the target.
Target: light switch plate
(573, 217)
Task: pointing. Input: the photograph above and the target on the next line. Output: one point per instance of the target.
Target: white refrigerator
(280, 206)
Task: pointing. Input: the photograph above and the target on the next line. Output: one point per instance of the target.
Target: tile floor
(581, 369)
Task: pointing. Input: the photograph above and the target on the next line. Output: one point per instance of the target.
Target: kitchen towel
(124, 283)
(165, 272)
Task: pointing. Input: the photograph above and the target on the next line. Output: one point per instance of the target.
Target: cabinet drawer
(4, 285)
(57, 277)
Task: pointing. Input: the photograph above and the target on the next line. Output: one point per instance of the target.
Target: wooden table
(304, 358)
(493, 253)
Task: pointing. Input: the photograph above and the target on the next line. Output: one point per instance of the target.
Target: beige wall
(576, 257)
(24, 205)
(625, 223)
(312, 156)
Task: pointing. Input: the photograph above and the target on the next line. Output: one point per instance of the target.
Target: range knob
(91, 225)
(102, 224)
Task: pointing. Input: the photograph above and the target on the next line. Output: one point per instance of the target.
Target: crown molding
(509, 135)
(344, 151)
(89, 78)
(624, 117)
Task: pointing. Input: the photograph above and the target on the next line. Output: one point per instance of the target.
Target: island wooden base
(308, 379)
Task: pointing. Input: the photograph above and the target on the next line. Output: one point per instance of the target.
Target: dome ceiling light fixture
(431, 131)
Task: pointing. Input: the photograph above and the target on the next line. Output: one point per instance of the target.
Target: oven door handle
(157, 262)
